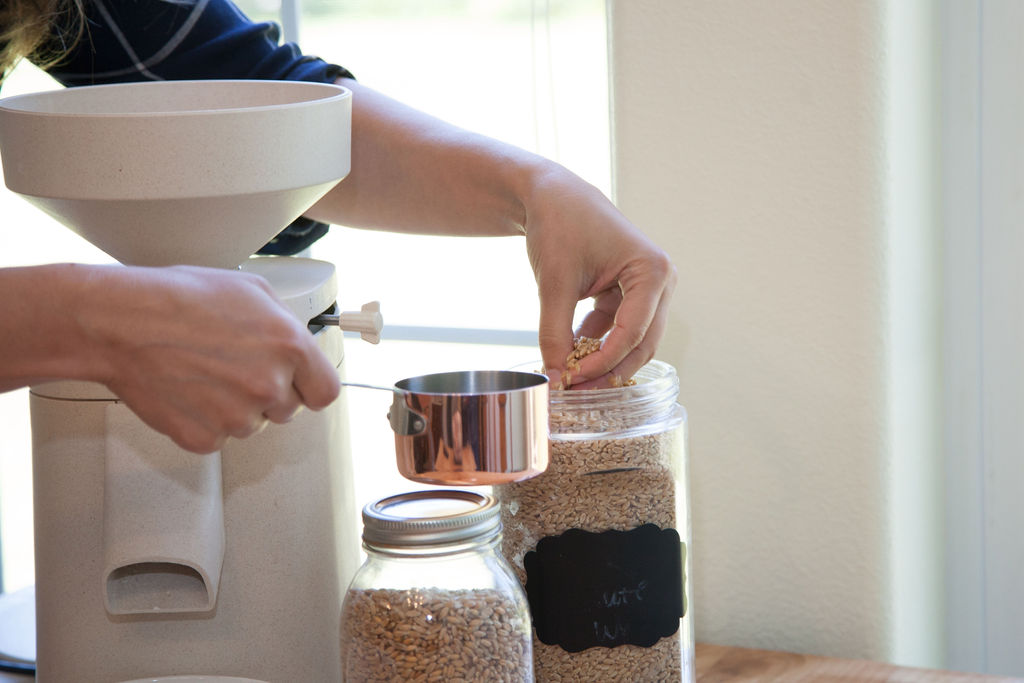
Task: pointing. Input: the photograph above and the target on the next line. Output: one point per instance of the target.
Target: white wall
(782, 152)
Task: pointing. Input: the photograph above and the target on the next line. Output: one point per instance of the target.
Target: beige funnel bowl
(169, 172)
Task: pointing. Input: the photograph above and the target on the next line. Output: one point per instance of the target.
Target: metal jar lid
(431, 518)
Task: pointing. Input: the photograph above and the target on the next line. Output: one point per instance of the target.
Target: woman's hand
(580, 246)
(201, 354)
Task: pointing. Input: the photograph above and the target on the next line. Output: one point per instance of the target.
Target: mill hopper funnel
(177, 172)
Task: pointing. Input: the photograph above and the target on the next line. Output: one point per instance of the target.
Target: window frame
(982, 105)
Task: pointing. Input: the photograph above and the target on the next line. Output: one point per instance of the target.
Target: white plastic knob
(368, 322)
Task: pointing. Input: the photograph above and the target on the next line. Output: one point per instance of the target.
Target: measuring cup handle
(404, 420)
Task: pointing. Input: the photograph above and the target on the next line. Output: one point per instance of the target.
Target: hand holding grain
(580, 246)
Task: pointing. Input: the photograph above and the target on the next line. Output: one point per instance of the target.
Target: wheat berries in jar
(600, 540)
(435, 600)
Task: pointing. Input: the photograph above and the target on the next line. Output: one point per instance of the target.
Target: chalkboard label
(606, 589)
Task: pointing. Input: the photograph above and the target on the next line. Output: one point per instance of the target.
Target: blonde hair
(43, 30)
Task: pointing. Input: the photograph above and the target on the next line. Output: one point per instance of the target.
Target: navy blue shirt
(136, 40)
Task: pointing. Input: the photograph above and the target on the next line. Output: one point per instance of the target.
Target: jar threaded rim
(431, 518)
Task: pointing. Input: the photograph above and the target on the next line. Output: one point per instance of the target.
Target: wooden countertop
(720, 663)
(717, 663)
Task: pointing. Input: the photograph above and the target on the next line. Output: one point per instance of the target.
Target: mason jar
(435, 600)
(601, 539)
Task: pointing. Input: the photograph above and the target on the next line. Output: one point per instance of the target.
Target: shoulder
(130, 40)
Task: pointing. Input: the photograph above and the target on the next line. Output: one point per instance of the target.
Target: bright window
(530, 72)
(508, 69)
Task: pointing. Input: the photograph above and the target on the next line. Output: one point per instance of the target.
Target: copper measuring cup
(476, 427)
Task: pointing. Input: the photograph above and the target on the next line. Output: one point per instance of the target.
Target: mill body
(250, 586)
(152, 561)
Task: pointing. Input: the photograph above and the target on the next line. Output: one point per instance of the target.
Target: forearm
(414, 173)
(40, 335)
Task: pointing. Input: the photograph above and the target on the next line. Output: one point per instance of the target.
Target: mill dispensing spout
(163, 521)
